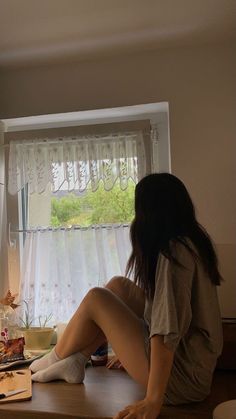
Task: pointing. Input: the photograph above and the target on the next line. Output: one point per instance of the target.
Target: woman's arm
(160, 368)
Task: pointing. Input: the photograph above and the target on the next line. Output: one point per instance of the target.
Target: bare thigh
(132, 295)
(115, 313)
(104, 312)
(123, 329)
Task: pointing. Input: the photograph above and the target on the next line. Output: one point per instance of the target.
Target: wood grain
(18, 379)
(104, 393)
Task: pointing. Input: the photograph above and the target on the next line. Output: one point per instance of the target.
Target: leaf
(9, 299)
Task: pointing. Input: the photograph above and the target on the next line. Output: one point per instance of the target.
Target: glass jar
(4, 324)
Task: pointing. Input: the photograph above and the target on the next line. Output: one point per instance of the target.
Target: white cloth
(71, 163)
(60, 266)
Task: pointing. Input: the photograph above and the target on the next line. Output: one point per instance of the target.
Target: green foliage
(99, 207)
(43, 323)
(27, 321)
(112, 206)
(64, 209)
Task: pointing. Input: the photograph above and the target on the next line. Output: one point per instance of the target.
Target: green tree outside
(99, 207)
(64, 209)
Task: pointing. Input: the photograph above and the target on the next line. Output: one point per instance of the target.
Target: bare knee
(116, 284)
(129, 293)
(93, 299)
(95, 293)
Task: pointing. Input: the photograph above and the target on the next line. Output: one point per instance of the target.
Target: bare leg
(102, 310)
(129, 293)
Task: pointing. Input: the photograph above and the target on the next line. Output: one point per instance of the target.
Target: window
(76, 203)
(65, 252)
(67, 209)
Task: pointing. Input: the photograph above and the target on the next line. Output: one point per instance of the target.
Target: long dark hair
(164, 213)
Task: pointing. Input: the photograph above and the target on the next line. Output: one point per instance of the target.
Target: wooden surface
(104, 393)
(18, 379)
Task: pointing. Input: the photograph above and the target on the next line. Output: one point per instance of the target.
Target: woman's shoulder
(183, 251)
(176, 271)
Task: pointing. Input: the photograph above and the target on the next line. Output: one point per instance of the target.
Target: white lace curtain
(55, 270)
(60, 265)
(71, 163)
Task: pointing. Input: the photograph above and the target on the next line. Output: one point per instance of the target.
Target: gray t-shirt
(185, 311)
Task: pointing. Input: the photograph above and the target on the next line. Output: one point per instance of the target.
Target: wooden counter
(104, 393)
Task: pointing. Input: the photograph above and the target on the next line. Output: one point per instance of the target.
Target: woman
(165, 327)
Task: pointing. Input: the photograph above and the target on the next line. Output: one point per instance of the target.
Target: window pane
(86, 208)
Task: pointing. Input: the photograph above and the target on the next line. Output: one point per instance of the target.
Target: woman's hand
(114, 363)
(144, 409)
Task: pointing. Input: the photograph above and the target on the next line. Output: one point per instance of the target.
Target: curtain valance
(70, 163)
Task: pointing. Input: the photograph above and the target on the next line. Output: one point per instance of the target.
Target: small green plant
(27, 320)
(45, 321)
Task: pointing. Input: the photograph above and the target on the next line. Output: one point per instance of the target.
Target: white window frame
(156, 113)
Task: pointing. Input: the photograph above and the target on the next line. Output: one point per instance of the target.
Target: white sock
(70, 369)
(45, 361)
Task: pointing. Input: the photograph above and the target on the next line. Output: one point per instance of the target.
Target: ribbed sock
(70, 369)
(45, 361)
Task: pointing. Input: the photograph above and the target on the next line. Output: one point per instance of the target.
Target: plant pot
(37, 337)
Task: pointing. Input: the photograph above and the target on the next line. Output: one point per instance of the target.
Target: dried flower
(9, 299)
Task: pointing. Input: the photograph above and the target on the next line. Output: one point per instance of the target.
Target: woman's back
(185, 311)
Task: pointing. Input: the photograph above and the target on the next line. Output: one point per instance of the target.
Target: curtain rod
(77, 137)
(75, 227)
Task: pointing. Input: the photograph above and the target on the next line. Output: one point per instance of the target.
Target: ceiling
(39, 31)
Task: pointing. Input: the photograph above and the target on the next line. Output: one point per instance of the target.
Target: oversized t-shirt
(185, 311)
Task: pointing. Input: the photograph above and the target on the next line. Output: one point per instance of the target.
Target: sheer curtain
(59, 266)
(71, 163)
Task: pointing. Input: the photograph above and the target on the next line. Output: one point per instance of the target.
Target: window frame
(156, 113)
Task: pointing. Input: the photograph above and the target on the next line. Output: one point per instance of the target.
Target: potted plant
(36, 337)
